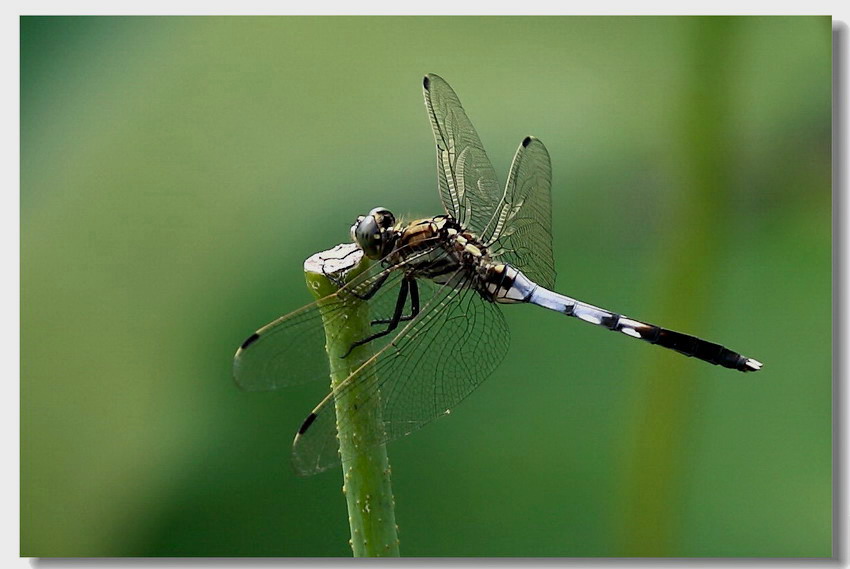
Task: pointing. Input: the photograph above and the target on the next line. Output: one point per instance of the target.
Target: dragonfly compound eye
(371, 232)
(384, 217)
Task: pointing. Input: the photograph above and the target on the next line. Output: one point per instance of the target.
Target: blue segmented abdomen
(505, 284)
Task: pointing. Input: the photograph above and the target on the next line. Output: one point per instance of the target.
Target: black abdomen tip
(426, 82)
(306, 424)
(251, 339)
(526, 141)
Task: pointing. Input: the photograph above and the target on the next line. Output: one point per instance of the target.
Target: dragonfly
(434, 287)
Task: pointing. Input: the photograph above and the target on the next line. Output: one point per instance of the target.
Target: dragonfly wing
(291, 350)
(520, 232)
(468, 187)
(440, 357)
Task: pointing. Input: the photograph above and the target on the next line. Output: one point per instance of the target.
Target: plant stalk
(366, 469)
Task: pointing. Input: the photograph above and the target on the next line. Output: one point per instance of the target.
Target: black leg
(414, 306)
(397, 315)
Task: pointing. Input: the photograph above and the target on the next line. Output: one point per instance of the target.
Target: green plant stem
(366, 470)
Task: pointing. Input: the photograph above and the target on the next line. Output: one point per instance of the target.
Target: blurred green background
(176, 172)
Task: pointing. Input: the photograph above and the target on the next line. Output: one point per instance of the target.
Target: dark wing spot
(526, 141)
(426, 83)
(251, 339)
(306, 424)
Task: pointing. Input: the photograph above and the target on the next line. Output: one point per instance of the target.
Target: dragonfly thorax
(440, 249)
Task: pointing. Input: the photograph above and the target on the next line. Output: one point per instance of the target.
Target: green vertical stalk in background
(366, 470)
(693, 247)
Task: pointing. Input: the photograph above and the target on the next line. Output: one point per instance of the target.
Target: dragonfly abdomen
(505, 284)
(685, 344)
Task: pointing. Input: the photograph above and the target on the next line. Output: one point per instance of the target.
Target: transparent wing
(516, 222)
(520, 232)
(431, 365)
(291, 349)
(468, 187)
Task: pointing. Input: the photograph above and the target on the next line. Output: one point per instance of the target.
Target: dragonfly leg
(414, 306)
(397, 313)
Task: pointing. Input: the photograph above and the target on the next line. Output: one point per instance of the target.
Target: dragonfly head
(374, 233)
